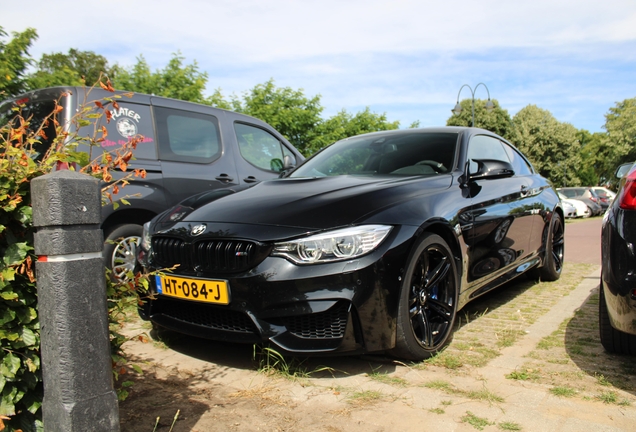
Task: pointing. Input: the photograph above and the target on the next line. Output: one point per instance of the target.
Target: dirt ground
(525, 357)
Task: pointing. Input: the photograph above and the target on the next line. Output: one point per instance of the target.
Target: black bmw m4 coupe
(371, 245)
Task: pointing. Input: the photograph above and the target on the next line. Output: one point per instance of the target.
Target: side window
(519, 163)
(187, 136)
(485, 147)
(260, 148)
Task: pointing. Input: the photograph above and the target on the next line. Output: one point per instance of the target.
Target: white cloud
(404, 57)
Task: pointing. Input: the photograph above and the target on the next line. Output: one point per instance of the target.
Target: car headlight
(337, 245)
(145, 237)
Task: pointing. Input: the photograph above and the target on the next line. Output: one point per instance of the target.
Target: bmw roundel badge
(197, 230)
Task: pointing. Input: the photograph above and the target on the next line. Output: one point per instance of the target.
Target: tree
(14, 61)
(344, 125)
(289, 111)
(552, 147)
(594, 167)
(620, 141)
(75, 68)
(176, 80)
(497, 120)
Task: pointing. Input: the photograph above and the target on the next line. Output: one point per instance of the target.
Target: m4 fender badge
(198, 230)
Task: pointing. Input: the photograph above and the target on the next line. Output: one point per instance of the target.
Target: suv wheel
(120, 249)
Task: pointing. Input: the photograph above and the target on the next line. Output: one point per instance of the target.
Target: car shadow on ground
(258, 357)
(583, 347)
(261, 357)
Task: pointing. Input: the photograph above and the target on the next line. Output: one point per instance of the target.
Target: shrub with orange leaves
(21, 380)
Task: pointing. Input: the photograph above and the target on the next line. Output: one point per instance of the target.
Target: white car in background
(601, 191)
(569, 211)
(581, 209)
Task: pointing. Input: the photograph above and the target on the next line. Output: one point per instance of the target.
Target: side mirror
(622, 170)
(289, 162)
(490, 169)
(276, 165)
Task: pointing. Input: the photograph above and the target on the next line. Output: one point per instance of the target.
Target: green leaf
(16, 253)
(26, 315)
(10, 365)
(8, 335)
(27, 338)
(9, 295)
(7, 408)
(7, 316)
(24, 214)
(8, 274)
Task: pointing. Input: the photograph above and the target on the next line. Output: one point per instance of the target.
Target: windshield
(399, 154)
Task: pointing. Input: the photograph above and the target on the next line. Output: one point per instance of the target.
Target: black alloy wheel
(428, 300)
(555, 250)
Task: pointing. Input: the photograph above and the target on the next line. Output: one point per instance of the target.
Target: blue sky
(405, 58)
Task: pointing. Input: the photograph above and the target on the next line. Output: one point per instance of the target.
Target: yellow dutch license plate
(202, 290)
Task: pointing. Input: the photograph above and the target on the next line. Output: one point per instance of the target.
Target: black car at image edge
(371, 245)
(617, 302)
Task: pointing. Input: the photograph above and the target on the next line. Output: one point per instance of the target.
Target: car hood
(309, 203)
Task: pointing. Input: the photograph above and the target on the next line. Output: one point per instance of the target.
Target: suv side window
(187, 136)
(260, 148)
(519, 163)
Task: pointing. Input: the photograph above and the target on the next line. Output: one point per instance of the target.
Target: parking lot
(524, 357)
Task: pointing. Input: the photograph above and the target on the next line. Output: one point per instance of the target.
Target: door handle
(224, 178)
(251, 179)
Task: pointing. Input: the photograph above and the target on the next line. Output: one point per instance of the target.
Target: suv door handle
(251, 179)
(224, 178)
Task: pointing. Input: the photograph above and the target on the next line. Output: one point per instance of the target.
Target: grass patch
(608, 397)
(508, 337)
(600, 378)
(477, 422)
(439, 385)
(509, 426)
(385, 378)
(273, 363)
(365, 397)
(480, 395)
(563, 391)
(527, 374)
(484, 395)
(446, 360)
(437, 411)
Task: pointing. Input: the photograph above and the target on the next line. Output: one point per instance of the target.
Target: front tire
(120, 249)
(614, 341)
(428, 300)
(554, 250)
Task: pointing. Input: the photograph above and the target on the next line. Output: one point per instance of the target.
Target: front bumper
(348, 306)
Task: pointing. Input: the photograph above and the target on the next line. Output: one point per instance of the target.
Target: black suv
(187, 148)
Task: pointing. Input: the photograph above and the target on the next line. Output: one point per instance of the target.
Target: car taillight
(627, 200)
(594, 199)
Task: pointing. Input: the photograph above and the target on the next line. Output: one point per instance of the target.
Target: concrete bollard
(76, 362)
